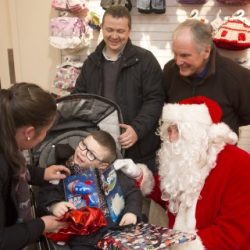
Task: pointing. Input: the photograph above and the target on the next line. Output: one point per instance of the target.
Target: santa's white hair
(185, 164)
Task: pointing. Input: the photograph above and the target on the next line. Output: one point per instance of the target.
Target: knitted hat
(194, 109)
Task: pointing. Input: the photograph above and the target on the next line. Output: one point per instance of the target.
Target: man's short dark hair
(118, 12)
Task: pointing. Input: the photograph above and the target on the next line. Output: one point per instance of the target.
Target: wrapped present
(143, 237)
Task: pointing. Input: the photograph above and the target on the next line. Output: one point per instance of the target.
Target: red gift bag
(83, 221)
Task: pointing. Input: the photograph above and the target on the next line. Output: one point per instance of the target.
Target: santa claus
(203, 180)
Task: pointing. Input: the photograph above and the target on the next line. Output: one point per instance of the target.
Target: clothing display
(151, 6)
(69, 33)
(105, 4)
(234, 32)
(67, 73)
(234, 2)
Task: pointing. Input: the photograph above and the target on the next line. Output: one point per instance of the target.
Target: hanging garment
(151, 6)
(234, 33)
(105, 4)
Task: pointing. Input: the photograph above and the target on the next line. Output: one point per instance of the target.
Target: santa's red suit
(220, 213)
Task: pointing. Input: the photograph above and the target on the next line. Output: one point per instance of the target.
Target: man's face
(173, 133)
(188, 57)
(115, 33)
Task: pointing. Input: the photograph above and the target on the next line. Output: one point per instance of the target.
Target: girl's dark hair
(20, 105)
(106, 140)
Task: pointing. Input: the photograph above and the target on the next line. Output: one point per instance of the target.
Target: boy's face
(89, 153)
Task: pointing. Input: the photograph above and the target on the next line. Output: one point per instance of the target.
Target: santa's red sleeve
(150, 185)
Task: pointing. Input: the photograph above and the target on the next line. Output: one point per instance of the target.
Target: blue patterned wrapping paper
(144, 237)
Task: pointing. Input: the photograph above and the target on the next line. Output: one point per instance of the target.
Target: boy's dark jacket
(55, 193)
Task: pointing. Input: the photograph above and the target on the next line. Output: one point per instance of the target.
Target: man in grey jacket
(130, 76)
(198, 69)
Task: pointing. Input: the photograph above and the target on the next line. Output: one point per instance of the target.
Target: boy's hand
(128, 218)
(60, 208)
(128, 167)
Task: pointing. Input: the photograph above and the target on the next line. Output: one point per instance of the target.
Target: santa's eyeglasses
(90, 155)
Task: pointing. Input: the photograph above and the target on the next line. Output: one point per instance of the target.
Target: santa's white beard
(184, 166)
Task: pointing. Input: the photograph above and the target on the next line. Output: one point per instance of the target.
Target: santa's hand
(128, 167)
(60, 208)
(127, 219)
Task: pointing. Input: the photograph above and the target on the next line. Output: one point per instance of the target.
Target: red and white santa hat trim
(200, 109)
(194, 109)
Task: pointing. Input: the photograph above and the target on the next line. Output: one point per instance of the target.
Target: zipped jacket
(226, 82)
(139, 93)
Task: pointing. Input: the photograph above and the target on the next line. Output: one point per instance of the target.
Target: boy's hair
(106, 140)
(118, 11)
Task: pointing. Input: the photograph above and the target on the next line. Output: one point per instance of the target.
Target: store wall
(26, 31)
(5, 43)
(25, 25)
(153, 31)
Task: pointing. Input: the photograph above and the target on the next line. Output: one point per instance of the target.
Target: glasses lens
(82, 146)
(90, 155)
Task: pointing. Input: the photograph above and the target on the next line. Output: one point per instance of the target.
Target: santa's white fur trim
(221, 133)
(185, 221)
(185, 218)
(186, 113)
(192, 245)
(148, 181)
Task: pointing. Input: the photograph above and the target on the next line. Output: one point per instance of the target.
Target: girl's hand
(56, 172)
(52, 224)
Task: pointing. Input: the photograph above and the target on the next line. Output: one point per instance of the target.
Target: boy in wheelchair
(95, 153)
